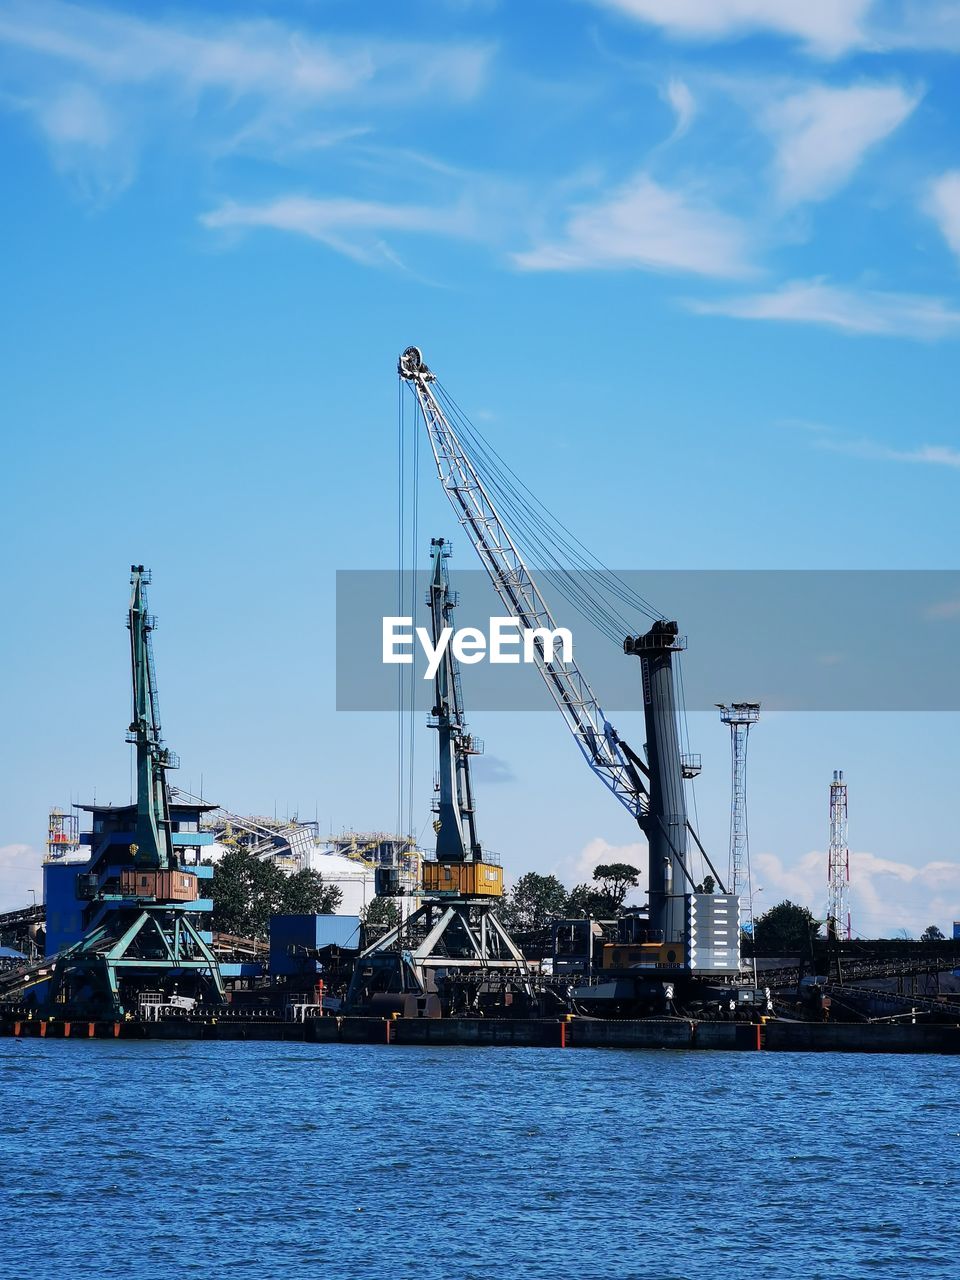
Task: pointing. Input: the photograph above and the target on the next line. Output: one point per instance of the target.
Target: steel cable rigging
(588, 585)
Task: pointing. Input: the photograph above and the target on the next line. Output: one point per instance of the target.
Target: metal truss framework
(740, 716)
(149, 942)
(462, 933)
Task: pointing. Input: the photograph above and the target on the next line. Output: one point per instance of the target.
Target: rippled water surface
(186, 1160)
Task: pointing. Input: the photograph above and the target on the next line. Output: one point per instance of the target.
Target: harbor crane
(685, 931)
(138, 898)
(453, 945)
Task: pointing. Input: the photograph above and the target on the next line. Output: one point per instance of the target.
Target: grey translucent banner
(796, 640)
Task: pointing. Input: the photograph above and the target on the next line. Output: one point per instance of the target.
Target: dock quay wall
(575, 1033)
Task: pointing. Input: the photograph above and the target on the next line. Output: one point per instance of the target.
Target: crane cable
(408, 513)
(585, 582)
(401, 433)
(540, 531)
(412, 613)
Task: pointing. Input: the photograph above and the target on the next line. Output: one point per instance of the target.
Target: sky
(691, 264)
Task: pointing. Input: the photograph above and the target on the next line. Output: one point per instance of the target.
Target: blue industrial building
(70, 914)
(294, 937)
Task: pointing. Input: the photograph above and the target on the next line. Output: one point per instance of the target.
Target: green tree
(587, 900)
(247, 891)
(932, 934)
(604, 898)
(532, 902)
(709, 885)
(785, 928)
(381, 911)
(305, 894)
(616, 879)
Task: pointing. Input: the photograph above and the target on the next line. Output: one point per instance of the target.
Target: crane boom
(154, 845)
(606, 754)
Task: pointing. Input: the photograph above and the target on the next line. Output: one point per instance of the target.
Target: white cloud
(904, 315)
(647, 226)
(822, 134)
(934, 455)
(351, 227)
(916, 24)
(100, 80)
(943, 204)
(678, 94)
(20, 871)
(885, 895)
(261, 57)
(77, 116)
(944, 609)
(580, 869)
(826, 27)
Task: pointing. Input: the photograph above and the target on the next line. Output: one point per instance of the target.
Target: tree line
(247, 891)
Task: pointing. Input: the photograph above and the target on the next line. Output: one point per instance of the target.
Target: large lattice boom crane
(606, 754)
(684, 927)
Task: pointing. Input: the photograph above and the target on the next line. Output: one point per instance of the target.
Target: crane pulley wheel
(410, 363)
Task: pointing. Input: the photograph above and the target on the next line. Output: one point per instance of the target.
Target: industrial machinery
(453, 947)
(135, 897)
(686, 934)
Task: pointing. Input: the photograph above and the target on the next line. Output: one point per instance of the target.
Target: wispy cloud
(931, 455)
(822, 134)
(86, 138)
(943, 610)
(822, 436)
(352, 227)
(647, 226)
(826, 27)
(260, 57)
(915, 24)
(258, 82)
(943, 204)
(491, 769)
(680, 97)
(862, 311)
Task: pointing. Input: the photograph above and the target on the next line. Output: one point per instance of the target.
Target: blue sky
(692, 264)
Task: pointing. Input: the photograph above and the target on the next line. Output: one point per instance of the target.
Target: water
(148, 1160)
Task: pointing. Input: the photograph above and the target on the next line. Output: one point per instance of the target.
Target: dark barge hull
(577, 1033)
